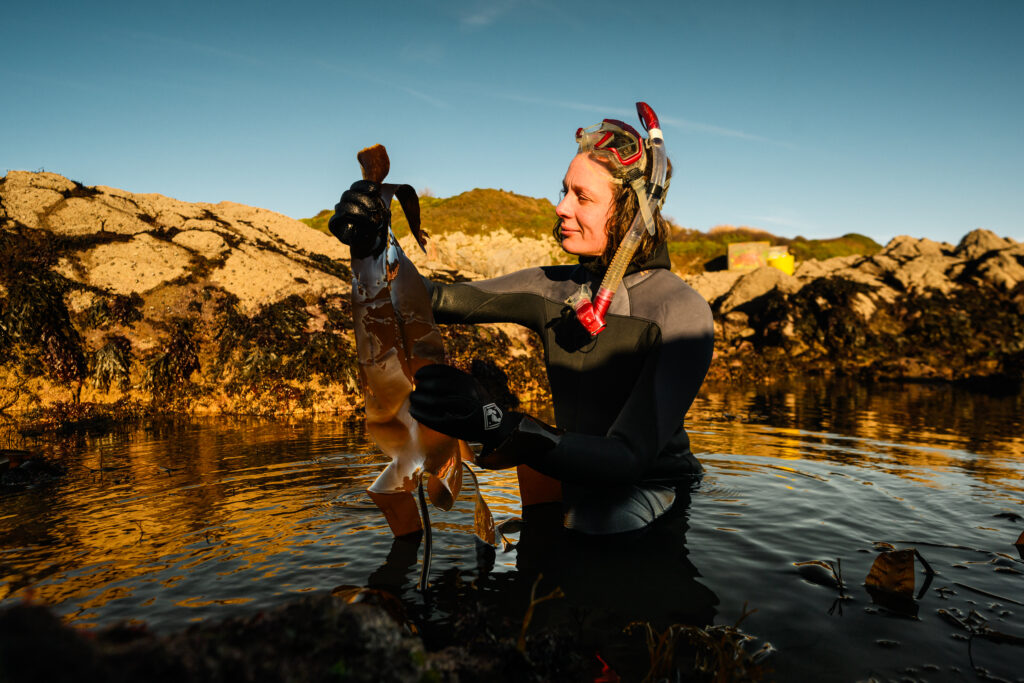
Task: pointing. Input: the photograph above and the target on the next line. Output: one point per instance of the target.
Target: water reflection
(192, 520)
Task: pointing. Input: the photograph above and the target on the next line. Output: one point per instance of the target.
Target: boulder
(926, 273)
(1003, 268)
(713, 285)
(977, 243)
(904, 248)
(489, 254)
(757, 283)
(27, 197)
(812, 269)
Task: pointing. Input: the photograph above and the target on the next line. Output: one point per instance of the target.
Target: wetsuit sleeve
(652, 415)
(508, 299)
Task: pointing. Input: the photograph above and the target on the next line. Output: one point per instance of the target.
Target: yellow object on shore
(783, 262)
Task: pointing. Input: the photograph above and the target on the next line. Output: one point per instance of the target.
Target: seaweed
(35, 326)
(327, 354)
(274, 343)
(111, 364)
(721, 652)
(168, 373)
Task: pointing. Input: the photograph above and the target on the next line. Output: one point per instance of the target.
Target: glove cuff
(522, 437)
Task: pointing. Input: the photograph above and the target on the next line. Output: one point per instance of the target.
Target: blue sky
(801, 118)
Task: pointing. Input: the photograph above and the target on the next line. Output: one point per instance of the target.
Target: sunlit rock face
(919, 309)
(136, 243)
(108, 295)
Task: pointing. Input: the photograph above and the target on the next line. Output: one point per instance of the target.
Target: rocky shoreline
(114, 303)
(918, 310)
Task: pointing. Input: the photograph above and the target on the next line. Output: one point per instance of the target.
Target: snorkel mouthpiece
(627, 170)
(587, 312)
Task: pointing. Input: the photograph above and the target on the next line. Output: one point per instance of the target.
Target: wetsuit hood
(659, 259)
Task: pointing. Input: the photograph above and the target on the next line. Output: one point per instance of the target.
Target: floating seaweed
(721, 651)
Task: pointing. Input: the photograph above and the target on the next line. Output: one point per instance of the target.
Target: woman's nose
(562, 208)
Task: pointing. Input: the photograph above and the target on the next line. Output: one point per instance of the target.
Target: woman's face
(586, 206)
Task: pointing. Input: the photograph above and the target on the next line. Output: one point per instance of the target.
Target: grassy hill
(472, 213)
(477, 211)
(693, 251)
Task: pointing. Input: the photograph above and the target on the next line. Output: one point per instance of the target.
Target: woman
(620, 395)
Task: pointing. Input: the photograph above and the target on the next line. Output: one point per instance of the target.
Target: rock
(904, 248)
(206, 243)
(757, 283)
(259, 277)
(977, 243)
(139, 265)
(926, 273)
(309, 639)
(496, 252)
(1004, 268)
(713, 285)
(811, 269)
(257, 301)
(26, 197)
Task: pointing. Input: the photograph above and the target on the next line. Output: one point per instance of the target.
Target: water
(181, 522)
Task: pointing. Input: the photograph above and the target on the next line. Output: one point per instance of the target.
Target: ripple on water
(178, 522)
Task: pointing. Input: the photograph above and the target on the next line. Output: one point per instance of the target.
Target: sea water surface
(190, 520)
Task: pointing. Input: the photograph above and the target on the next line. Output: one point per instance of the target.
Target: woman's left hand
(452, 402)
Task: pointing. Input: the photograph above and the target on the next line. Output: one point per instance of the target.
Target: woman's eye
(561, 194)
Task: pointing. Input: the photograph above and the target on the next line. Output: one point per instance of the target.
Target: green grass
(694, 252)
(473, 213)
(478, 211)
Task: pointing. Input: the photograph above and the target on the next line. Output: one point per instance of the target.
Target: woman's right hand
(361, 219)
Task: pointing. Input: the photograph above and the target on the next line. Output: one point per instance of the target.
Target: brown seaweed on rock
(35, 325)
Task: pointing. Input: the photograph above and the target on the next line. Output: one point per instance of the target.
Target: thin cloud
(780, 221)
(483, 16)
(430, 52)
(361, 75)
(626, 113)
(720, 131)
(201, 48)
(440, 104)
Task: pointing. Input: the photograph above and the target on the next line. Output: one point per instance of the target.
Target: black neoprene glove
(452, 402)
(361, 220)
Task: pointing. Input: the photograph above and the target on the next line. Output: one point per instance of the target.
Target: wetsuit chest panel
(591, 378)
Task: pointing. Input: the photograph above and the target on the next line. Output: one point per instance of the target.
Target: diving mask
(616, 142)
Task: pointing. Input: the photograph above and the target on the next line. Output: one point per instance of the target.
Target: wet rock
(21, 469)
(314, 639)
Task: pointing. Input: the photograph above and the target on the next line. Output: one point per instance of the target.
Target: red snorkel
(591, 313)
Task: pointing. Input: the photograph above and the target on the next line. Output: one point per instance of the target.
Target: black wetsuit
(620, 397)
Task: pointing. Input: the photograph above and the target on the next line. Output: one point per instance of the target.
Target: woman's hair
(624, 207)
